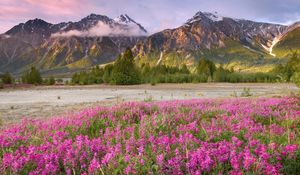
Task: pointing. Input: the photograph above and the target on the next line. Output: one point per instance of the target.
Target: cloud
(59, 7)
(102, 29)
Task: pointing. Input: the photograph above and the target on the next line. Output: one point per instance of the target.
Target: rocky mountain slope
(242, 44)
(96, 39)
(288, 42)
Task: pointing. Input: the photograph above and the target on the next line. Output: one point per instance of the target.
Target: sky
(154, 15)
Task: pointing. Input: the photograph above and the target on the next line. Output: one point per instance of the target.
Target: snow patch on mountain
(278, 39)
(160, 58)
(213, 16)
(124, 19)
(65, 26)
(274, 42)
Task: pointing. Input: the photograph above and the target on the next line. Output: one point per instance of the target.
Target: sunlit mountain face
(244, 44)
(98, 39)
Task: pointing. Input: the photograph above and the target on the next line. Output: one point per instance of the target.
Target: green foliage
(107, 73)
(206, 67)
(1, 84)
(6, 78)
(221, 75)
(288, 43)
(286, 72)
(92, 77)
(49, 81)
(32, 76)
(122, 72)
(184, 69)
(165, 74)
(125, 71)
(291, 165)
(296, 78)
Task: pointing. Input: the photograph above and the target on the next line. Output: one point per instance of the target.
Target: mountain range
(241, 44)
(97, 39)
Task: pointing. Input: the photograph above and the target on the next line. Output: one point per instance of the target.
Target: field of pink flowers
(230, 136)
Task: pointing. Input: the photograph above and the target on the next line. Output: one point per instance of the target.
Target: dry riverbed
(43, 101)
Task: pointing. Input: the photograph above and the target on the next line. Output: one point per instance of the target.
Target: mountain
(125, 19)
(288, 42)
(242, 44)
(95, 39)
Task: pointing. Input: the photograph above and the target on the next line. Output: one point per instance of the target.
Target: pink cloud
(4, 10)
(17, 11)
(59, 7)
(12, 9)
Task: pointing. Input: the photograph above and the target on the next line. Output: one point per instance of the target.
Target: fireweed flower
(229, 136)
(248, 159)
(94, 165)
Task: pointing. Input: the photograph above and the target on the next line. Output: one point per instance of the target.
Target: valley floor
(44, 101)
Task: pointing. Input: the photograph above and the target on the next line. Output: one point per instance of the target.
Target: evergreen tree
(125, 71)
(146, 70)
(75, 78)
(296, 78)
(6, 78)
(32, 76)
(220, 75)
(184, 69)
(51, 80)
(206, 68)
(286, 72)
(1, 84)
(108, 73)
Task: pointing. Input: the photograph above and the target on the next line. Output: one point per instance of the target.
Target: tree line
(31, 76)
(125, 72)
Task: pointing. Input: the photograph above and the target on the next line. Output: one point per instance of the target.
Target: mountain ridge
(212, 36)
(97, 39)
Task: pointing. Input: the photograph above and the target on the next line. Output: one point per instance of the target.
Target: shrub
(296, 78)
(32, 76)
(49, 81)
(246, 92)
(6, 78)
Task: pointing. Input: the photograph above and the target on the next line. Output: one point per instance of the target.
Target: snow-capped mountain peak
(124, 18)
(213, 16)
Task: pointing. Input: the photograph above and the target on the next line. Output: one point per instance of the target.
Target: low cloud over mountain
(103, 29)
